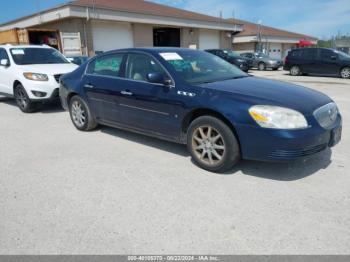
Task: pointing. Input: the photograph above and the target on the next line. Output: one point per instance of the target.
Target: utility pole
(259, 37)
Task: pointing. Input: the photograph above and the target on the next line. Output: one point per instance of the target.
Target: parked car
(232, 57)
(195, 98)
(320, 61)
(78, 60)
(262, 61)
(31, 74)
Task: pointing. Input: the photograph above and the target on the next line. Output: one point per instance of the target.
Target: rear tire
(81, 115)
(212, 144)
(23, 101)
(295, 71)
(345, 73)
(262, 66)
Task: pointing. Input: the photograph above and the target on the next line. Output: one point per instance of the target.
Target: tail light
(286, 60)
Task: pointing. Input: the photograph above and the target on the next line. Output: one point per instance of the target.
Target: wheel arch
(70, 95)
(198, 112)
(15, 84)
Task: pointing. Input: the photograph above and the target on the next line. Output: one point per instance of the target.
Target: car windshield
(197, 67)
(262, 55)
(231, 53)
(30, 56)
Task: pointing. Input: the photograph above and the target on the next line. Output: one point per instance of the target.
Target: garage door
(209, 39)
(275, 50)
(108, 36)
(71, 44)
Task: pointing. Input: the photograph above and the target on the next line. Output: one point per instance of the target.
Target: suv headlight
(277, 117)
(36, 76)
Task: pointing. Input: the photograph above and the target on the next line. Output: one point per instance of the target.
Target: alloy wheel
(78, 114)
(21, 98)
(345, 72)
(208, 145)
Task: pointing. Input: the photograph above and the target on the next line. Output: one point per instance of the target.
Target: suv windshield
(30, 56)
(343, 55)
(197, 67)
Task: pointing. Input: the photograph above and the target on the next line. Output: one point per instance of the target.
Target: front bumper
(286, 145)
(49, 90)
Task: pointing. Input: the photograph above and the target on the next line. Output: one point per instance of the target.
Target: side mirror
(158, 78)
(5, 62)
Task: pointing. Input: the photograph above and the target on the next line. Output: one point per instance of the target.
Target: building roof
(149, 8)
(251, 29)
(138, 7)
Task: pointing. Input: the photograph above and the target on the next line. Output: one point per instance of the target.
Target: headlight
(277, 117)
(36, 77)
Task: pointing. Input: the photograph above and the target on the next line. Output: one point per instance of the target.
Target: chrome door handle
(127, 93)
(89, 86)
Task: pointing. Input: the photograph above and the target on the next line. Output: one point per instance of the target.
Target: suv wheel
(212, 144)
(295, 71)
(345, 72)
(81, 114)
(23, 101)
(261, 66)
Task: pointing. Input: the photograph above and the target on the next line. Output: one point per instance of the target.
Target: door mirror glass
(156, 78)
(5, 62)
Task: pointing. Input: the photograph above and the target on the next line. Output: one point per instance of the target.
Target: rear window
(108, 65)
(295, 53)
(309, 53)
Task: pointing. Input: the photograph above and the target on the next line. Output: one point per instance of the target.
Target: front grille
(293, 154)
(57, 78)
(326, 115)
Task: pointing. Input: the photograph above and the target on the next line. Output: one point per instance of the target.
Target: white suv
(31, 74)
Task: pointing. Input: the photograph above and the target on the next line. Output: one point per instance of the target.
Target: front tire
(345, 73)
(23, 101)
(212, 144)
(81, 115)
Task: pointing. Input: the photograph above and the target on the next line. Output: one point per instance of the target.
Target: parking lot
(114, 192)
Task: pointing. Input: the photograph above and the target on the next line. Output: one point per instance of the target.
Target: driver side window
(3, 54)
(140, 65)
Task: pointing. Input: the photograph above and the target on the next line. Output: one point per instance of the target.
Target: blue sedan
(196, 98)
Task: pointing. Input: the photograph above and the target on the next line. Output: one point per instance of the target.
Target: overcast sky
(321, 18)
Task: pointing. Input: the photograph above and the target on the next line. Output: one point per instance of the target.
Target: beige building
(274, 42)
(90, 27)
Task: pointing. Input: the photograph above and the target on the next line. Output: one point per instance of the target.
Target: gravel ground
(114, 192)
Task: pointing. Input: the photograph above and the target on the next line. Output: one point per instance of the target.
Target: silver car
(262, 61)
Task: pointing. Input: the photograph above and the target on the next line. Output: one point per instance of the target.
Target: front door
(328, 62)
(5, 79)
(102, 84)
(148, 106)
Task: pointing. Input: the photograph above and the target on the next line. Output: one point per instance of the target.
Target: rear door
(308, 61)
(148, 106)
(102, 84)
(328, 62)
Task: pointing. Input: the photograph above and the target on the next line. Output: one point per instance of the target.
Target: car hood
(256, 90)
(49, 69)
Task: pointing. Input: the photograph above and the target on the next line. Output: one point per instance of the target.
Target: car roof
(153, 50)
(8, 46)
